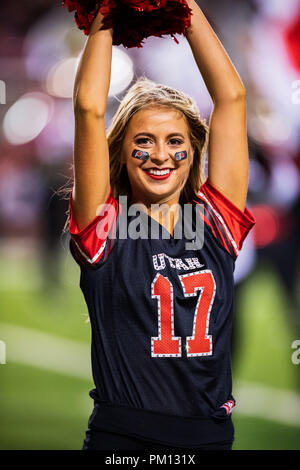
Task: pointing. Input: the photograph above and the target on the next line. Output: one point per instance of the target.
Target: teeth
(159, 172)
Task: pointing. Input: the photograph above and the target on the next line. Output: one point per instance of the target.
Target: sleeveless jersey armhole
(92, 244)
(229, 225)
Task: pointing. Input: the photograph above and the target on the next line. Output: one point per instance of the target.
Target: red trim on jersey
(90, 242)
(229, 405)
(236, 224)
(207, 222)
(217, 230)
(221, 234)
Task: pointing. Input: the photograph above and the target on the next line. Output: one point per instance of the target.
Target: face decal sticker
(140, 155)
(180, 155)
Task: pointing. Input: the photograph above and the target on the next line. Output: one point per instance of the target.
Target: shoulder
(92, 244)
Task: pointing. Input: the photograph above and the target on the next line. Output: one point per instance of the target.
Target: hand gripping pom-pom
(133, 20)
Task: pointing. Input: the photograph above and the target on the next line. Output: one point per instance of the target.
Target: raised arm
(91, 156)
(228, 158)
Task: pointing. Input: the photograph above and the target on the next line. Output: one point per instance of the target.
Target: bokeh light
(60, 79)
(267, 225)
(44, 401)
(26, 118)
(121, 71)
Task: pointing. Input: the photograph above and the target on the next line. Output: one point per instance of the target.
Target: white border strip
(282, 406)
(91, 260)
(72, 358)
(56, 354)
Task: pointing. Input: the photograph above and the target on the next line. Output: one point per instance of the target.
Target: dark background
(43, 319)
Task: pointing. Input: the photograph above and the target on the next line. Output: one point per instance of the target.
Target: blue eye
(146, 140)
(142, 141)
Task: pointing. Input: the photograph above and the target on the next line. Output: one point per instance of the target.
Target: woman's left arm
(228, 158)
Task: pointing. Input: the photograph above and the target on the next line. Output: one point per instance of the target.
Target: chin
(155, 191)
(157, 194)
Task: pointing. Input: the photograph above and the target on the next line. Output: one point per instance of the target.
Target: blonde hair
(145, 93)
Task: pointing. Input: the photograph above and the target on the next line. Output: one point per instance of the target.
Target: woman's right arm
(91, 155)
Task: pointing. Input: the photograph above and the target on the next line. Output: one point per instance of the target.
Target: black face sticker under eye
(180, 155)
(140, 155)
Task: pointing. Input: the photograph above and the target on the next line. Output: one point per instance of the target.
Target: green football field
(45, 381)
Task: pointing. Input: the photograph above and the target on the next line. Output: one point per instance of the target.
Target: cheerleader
(160, 307)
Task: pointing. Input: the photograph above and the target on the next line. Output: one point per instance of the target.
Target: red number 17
(200, 343)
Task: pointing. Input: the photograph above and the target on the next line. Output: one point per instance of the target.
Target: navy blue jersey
(161, 317)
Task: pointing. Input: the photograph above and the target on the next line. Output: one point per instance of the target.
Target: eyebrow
(148, 134)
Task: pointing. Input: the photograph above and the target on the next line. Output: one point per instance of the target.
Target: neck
(147, 201)
(166, 217)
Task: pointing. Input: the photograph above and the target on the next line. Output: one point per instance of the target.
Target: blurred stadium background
(44, 384)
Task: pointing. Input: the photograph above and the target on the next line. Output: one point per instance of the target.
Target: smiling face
(161, 132)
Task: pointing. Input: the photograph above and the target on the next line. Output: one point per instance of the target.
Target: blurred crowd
(39, 50)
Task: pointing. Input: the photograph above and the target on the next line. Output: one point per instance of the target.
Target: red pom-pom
(133, 20)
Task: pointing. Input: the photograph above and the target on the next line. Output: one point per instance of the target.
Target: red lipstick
(159, 177)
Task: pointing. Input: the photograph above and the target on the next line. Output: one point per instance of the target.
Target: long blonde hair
(145, 93)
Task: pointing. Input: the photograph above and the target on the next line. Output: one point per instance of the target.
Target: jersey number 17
(200, 343)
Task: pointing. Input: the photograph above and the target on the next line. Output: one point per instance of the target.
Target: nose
(160, 154)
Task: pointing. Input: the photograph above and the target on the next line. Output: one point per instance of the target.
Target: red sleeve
(228, 223)
(94, 242)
